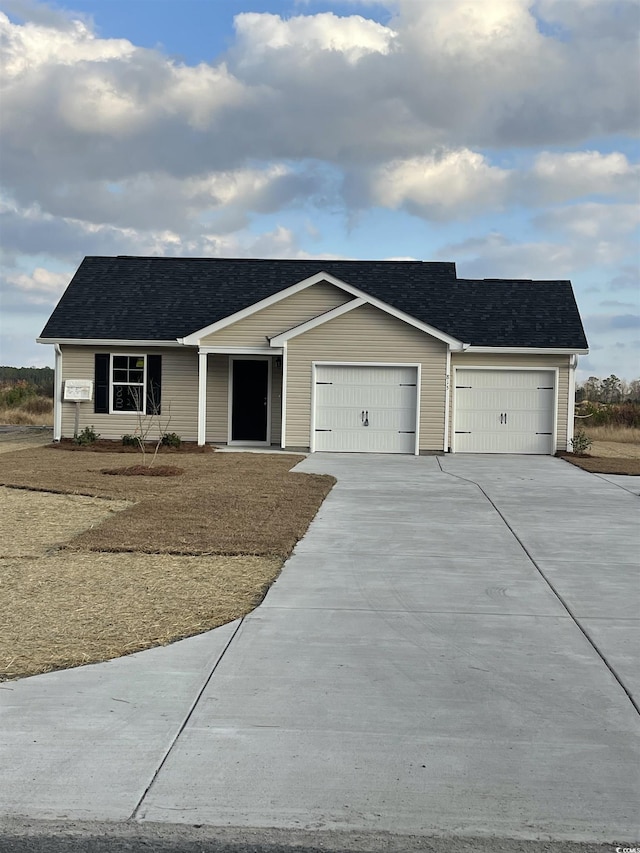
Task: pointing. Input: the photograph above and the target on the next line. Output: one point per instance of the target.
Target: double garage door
(362, 409)
(504, 411)
(371, 409)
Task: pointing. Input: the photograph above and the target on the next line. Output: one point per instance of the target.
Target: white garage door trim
(512, 368)
(319, 364)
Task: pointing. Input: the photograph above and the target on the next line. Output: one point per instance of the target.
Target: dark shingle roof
(130, 298)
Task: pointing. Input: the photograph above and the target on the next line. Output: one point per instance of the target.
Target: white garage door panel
(504, 411)
(365, 409)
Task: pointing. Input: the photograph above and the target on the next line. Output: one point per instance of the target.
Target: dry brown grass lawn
(71, 609)
(199, 550)
(24, 415)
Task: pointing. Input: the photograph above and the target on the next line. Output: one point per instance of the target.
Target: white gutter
(528, 350)
(447, 399)
(571, 409)
(107, 342)
(57, 394)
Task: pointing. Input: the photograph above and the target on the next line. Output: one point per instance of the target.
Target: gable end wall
(252, 331)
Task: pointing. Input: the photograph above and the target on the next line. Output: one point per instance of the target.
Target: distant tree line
(40, 379)
(609, 390)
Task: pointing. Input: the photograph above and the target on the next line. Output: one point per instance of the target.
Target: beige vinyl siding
(277, 318)
(217, 399)
(366, 334)
(515, 361)
(179, 392)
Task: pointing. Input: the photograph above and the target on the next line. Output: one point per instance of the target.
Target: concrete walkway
(450, 649)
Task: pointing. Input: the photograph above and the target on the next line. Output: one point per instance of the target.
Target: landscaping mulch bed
(105, 445)
(144, 471)
(604, 465)
(95, 566)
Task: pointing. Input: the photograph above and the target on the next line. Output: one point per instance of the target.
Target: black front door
(250, 394)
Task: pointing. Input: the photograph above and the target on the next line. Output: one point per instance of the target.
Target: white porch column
(283, 402)
(57, 394)
(202, 397)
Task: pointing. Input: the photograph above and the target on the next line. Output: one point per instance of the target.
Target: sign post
(78, 391)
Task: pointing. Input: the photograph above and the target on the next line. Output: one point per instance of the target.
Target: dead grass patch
(199, 550)
(26, 416)
(32, 522)
(617, 434)
(72, 609)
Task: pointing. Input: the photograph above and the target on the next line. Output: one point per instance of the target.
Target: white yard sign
(78, 390)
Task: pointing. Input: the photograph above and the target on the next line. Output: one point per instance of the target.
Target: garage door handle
(501, 418)
(364, 417)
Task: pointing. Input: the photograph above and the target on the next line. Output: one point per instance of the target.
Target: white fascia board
(99, 342)
(194, 338)
(283, 337)
(529, 350)
(241, 350)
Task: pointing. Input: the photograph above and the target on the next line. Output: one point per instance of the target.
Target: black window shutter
(101, 398)
(154, 384)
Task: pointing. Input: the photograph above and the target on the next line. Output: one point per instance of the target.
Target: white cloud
(28, 47)
(574, 174)
(459, 183)
(259, 34)
(40, 287)
(440, 187)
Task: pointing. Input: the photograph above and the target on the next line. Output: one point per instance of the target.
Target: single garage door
(504, 411)
(365, 409)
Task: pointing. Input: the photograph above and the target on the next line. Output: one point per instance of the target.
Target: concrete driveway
(452, 649)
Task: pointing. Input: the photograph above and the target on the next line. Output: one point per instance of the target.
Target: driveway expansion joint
(134, 814)
(553, 589)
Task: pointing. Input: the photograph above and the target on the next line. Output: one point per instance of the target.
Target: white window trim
(242, 442)
(517, 369)
(414, 364)
(129, 412)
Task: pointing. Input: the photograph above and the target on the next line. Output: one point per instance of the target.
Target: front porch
(240, 397)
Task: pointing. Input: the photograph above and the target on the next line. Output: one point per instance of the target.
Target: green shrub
(87, 436)
(130, 441)
(580, 442)
(171, 439)
(16, 394)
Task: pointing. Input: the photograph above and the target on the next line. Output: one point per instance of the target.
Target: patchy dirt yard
(23, 437)
(93, 566)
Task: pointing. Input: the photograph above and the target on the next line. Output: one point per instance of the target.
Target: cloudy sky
(499, 134)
